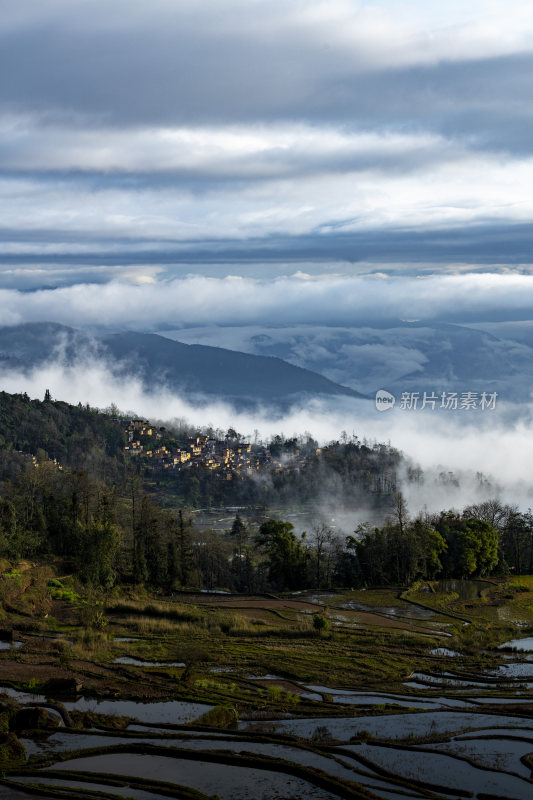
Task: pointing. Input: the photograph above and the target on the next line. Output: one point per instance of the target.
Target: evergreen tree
(286, 557)
(517, 542)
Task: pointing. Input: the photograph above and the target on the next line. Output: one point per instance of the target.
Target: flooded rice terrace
(456, 722)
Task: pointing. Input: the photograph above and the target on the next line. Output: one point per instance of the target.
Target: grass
(257, 642)
(68, 595)
(88, 644)
(179, 613)
(12, 752)
(251, 642)
(214, 685)
(279, 695)
(146, 625)
(222, 716)
(523, 581)
(231, 638)
(168, 620)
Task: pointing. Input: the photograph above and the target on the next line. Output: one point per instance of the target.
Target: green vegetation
(109, 558)
(309, 643)
(12, 751)
(101, 571)
(66, 491)
(320, 622)
(249, 669)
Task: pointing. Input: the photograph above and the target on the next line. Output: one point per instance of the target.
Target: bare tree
(400, 510)
(324, 544)
(492, 511)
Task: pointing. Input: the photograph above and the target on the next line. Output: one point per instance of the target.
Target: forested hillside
(68, 491)
(74, 436)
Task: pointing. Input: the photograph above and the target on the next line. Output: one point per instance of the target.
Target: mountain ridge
(191, 369)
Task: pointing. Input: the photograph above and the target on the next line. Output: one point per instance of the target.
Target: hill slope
(395, 355)
(192, 370)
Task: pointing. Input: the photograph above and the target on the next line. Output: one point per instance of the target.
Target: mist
(464, 458)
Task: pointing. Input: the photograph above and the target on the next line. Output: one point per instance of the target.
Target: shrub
(320, 623)
(321, 735)
(220, 717)
(12, 752)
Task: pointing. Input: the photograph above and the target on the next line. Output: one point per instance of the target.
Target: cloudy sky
(144, 142)
(241, 163)
(174, 164)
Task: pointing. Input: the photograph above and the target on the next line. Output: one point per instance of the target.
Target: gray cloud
(257, 133)
(37, 259)
(323, 300)
(235, 60)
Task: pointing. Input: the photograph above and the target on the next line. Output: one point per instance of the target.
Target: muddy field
(404, 693)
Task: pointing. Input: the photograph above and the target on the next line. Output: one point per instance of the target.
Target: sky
(236, 163)
(145, 142)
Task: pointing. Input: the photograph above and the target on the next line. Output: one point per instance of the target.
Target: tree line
(87, 439)
(109, 525)
(479, 541)
(107, 537)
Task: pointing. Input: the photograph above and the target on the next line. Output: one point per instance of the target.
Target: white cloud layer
(283, 301)
(30, 142)
(491, 445)
(290, 180)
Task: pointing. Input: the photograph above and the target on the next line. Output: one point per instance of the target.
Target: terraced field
(404, 694)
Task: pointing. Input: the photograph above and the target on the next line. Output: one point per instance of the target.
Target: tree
(149, 544)
(179, 550)
(239, 563)
(140, 567)
(238, 532)
(320, 623)
(472, 545)
(9, 544)
(398, 552)
(347, 567)
(492, 511)
(184, 548)
(486, 549)
(99, 543)
(323, 548)
(400, 508)
(286, 557)
(370, 546)
(173, 569)
(517, 541)
(431, 546)
(211, 556)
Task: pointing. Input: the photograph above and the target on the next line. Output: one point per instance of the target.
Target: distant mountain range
(396, 355)
(194, 371)
(253, 365)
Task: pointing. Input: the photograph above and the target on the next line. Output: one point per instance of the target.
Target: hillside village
(230, 456)
(189, 466)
